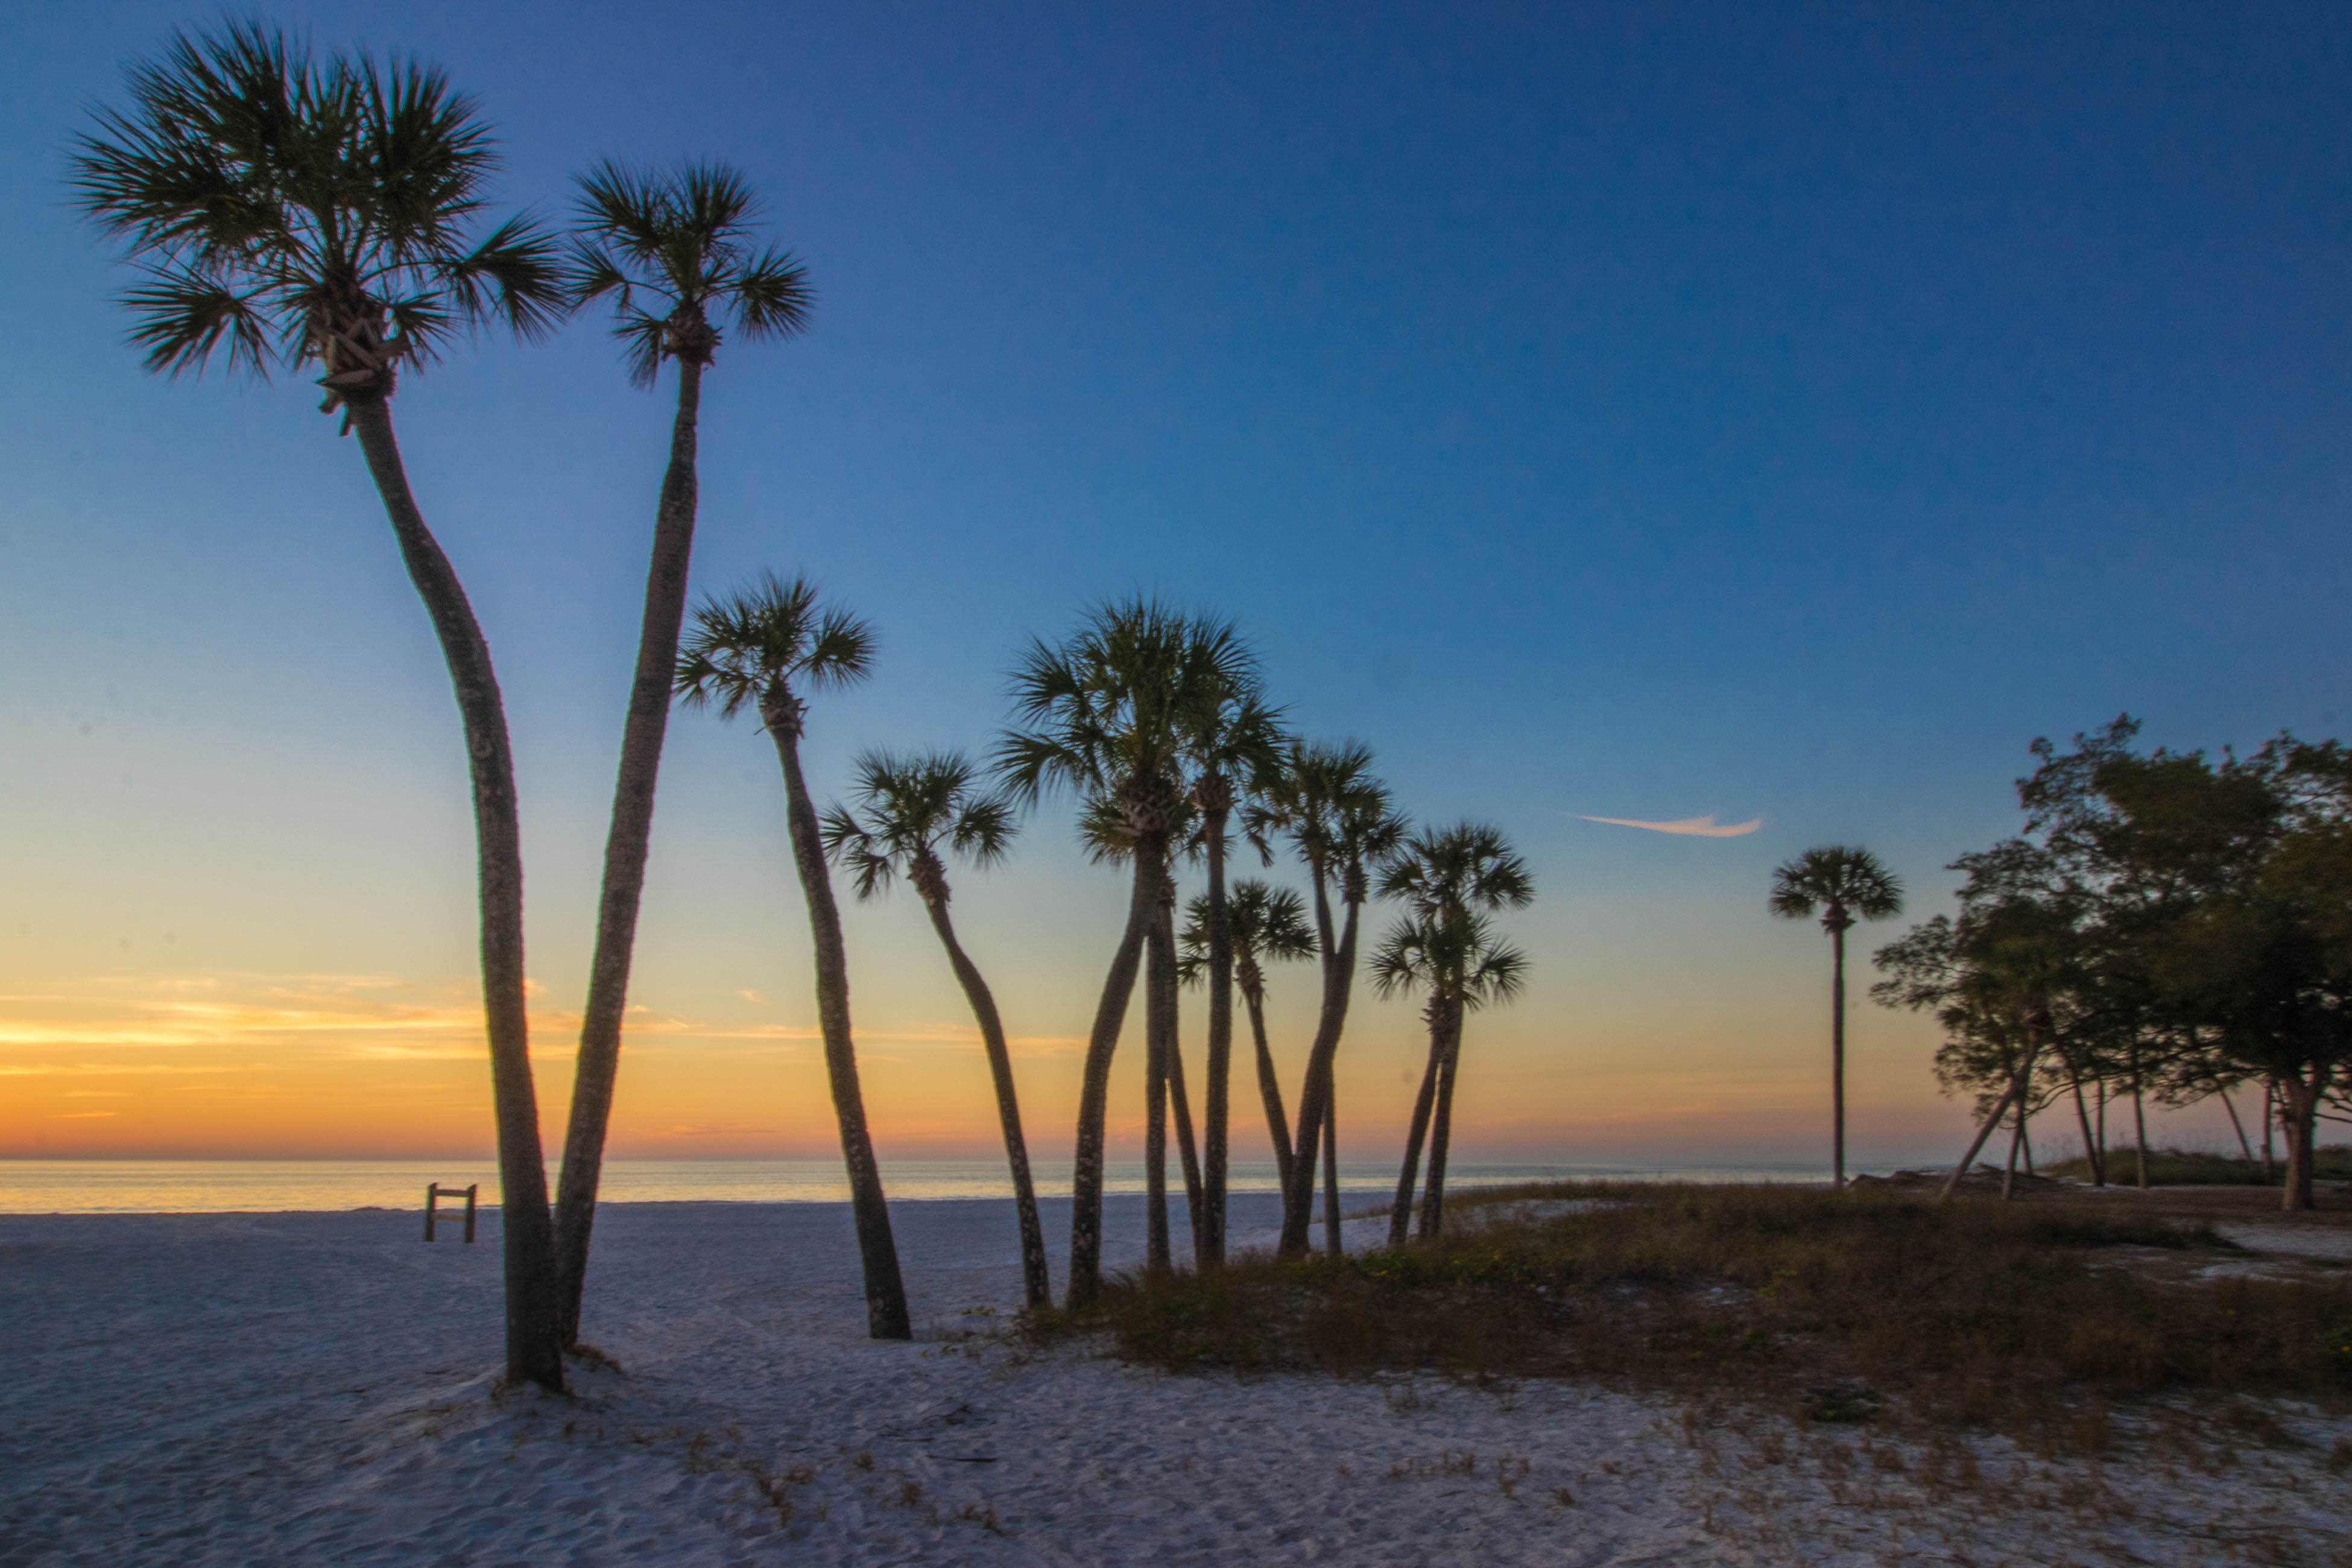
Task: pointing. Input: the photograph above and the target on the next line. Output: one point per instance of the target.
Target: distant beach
(272, 1186)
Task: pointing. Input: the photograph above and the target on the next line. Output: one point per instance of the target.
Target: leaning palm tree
(1265, 924)
(1844, 884)
(1234, 745)
(321, 213)
(1449, 880)
(751, 651)
(1453, 958)
(669, 250)
(909, 811)
(1339, 818)
(1102, 716)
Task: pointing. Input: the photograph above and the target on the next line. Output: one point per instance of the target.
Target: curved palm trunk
(534, 1337)
(1400, 1214)
(1331, 1242)
(1339, 969)
(1157, 1045)
(1269, 1083)
(2246, 1149)
(598, 1066)
(1036, 1283)
(2014, 1095)
(1837, 1059)
(886, 1294)
(1093, 1091)
(1187, 1154)
(2082, 1118)
(1217, 1091)
(1440, 1130)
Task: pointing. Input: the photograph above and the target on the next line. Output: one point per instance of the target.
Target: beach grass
(1837, 1309)
(2203, 1168)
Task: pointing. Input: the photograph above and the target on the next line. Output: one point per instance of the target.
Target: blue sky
(1778, 412)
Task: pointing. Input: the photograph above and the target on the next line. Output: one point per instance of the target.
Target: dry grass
(1976, 1313)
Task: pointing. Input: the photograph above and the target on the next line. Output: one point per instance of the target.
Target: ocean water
(244, 1187)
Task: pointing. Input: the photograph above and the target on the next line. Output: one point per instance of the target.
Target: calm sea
(214, 1186)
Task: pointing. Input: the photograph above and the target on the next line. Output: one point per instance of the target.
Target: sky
(1763, 414)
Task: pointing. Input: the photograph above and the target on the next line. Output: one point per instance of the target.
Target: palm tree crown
(325, 208)
(1844, 883)
(909, 807)
(1455, 956)
(750, 649)
(679, 239)
(1266, 921)
(1447, 872)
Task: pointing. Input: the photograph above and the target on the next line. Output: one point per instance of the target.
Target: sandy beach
(317, 1388)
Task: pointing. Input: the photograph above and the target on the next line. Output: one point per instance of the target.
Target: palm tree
(1265, 924)
(1449, 879)
(1339, 818)
(910, 809)
(1104, 718)
(1452, 955)
(751, 651)
(321, 213)
(679, 242)
(1234, 745)
(1844, 884)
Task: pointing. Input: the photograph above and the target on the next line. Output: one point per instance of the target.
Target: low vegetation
(2028, 1317)
(2202, 1168)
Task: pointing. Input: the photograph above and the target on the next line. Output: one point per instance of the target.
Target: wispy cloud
(1693, 826)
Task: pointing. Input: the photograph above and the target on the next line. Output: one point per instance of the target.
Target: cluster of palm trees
(331, 215)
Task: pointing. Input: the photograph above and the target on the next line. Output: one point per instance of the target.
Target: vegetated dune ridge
(312, 1388)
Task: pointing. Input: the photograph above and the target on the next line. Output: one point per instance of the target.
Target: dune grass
(2202, 1168)
(2019, 1316)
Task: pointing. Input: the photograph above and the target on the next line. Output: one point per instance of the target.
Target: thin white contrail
(1697, 827)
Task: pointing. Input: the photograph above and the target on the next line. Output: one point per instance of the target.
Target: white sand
(316, 1388)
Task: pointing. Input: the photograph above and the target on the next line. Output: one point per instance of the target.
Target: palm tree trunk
(1157, 1252)
(598, 1065)
(1037, 1284)
(1837, 1059)
(1299, 1209)
(1216, 1107)
(1093, 1091)
(1400, 1214)
(535, 1335)
(1331, 1242)
(886, 1293)
(1269, 1084)
(1188, 1156)
(1441, 1129)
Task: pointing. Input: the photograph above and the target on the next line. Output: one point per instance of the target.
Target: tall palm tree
(677, 242)
(1449, 880)
(321, 213)
(1340, 820)
(1102, 716)
(1265, 924)
(1234, 745)
(1453, 956)
(1843, 884)
(752, 650)
(909, 810)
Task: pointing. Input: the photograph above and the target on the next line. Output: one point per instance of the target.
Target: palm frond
(178, 320)
(513, 277)
(772, 296)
